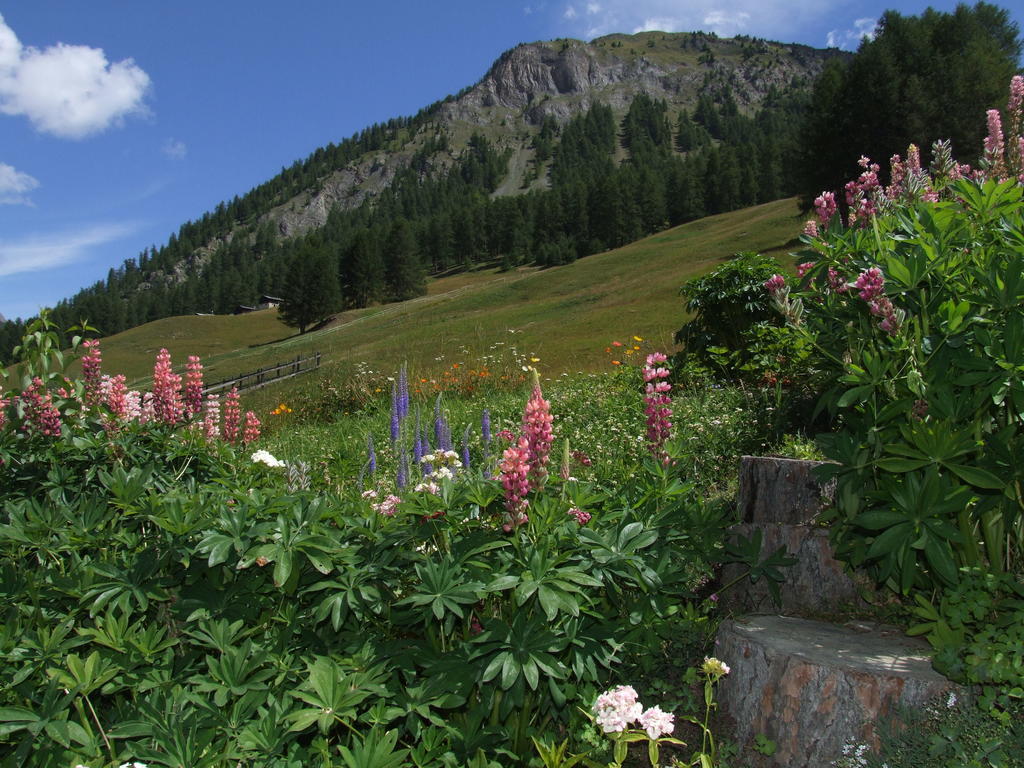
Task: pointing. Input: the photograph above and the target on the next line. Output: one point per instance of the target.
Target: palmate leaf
(334, 694)
(375, 751)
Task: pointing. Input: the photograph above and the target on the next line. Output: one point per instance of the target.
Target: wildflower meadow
(485, 566)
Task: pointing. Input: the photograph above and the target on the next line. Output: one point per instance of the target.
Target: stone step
(813, 687)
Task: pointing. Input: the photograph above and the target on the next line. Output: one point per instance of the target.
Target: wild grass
(566, 315)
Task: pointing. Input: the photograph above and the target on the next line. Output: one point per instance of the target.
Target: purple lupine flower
(438, 423)
(396, 417)
(485, 426)
(402, 475)
(403, 393)
(417, 443)
(371, 461)
(425, 447)
(465, 448)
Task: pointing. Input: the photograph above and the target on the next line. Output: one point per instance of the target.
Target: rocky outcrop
(560, 79)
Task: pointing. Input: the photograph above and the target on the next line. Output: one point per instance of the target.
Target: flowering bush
(193, 606)
(915, 306)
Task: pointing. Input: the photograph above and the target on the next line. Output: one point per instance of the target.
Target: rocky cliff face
(561, 79)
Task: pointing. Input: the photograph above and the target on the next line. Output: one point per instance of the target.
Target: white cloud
(658, 24)
(15, 186)
(70, 91)
(726, 23)
(849, 39)
(783, 20)
(40, 253)
(175, 149)
(570, 12)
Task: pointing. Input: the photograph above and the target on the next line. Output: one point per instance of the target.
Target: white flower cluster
(616, 709)
(443, 465)
(265, 457)
(854, 756)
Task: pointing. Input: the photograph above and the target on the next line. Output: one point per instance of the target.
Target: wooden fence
(262, 376)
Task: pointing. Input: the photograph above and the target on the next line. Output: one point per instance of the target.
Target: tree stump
(813, 687)
(774, 490)
(816, 584)
(782, 498)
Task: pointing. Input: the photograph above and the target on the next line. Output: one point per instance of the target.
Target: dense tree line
(921, 78)
(679, 167)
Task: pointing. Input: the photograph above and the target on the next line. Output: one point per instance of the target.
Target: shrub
(187, 605)
(916, 308)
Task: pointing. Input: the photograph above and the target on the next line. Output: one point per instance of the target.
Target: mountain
(561, 79)
(563, 149)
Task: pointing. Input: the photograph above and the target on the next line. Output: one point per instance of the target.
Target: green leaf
(976, 476)
(900, 465)
(855, 395)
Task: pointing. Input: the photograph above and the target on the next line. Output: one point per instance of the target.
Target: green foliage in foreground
(948, 734)
(173, 603)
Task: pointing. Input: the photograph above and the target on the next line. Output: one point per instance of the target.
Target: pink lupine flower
(133, 405)
(232, 416)
(657, 722)
(514, 468)
(167, 404)
(825, 206)
(251, 431)
(836, 282)
(913, 159)
(897, 172)
(891, 317)
(211, 417)
(811, 228)
(775, 284)
(871, 283)
(994, 143)
(803, 269)
(582, 517)
(92, 362)
(537, 431)
(3, 408)
(1016, 101)
(115, 396)
(147, 408)
(193, 387)
(656, 402)
(41, 416)
(388, 505)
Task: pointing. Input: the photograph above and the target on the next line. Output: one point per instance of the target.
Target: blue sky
(120, 119)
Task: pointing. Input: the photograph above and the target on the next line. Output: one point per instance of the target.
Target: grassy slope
(566, 316)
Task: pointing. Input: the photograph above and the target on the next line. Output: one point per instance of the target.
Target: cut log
(816, 584)
(812, 687)
(774, 490)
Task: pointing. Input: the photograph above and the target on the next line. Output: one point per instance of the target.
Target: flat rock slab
(774, 490)
(812, 687)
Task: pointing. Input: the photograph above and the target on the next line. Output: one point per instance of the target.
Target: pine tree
(404, 272)
(310, 289)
